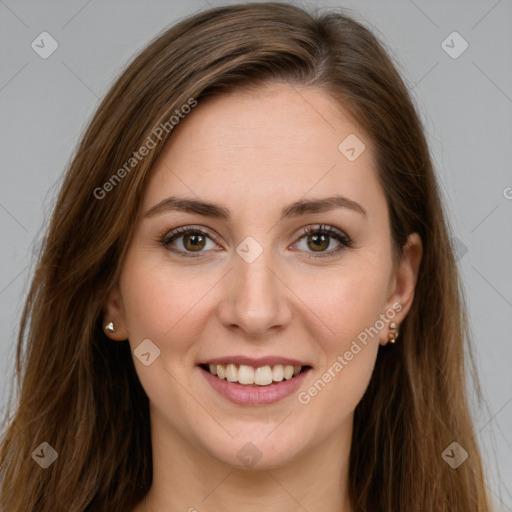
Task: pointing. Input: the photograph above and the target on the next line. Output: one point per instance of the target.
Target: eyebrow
(216, 211)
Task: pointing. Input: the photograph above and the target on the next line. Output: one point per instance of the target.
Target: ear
(113, 312)
(403, 282)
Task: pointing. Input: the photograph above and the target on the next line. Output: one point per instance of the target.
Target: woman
(247, 299)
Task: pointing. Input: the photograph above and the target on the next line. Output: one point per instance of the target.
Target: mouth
(248, 375)
(254, 382)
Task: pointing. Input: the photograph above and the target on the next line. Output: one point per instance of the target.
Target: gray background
(465, 102)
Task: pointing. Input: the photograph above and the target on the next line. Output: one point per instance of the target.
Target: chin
(250, 450)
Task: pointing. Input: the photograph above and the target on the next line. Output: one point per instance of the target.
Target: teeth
(277, 373)
(262, 376)
(288, 372)
(245, 374)
(231, 373)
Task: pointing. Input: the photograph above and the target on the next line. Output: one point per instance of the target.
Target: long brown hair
(79, 392)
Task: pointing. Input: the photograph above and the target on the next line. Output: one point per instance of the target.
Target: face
(260, 246)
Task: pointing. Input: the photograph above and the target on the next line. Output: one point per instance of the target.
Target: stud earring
(395, 331)
(110, 328)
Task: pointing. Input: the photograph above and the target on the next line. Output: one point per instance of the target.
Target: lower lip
(241, 394)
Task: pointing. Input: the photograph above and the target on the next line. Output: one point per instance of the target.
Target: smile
(249, 376)
(254, 384)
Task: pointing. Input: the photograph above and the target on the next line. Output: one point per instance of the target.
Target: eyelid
(188, 228)
(323, 228)
(340, 236)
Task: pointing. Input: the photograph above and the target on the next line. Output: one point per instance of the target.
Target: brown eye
(186, 241)
(194, 242)
(319, 239)
(318, 242)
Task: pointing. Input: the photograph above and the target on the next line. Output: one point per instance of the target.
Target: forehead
(278, 141)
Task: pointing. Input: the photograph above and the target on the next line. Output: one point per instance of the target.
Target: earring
(110, 328)
(395, 331)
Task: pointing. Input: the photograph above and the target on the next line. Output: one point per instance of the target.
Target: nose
(255, 299)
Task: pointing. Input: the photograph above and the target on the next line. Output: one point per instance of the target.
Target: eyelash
(339, 236)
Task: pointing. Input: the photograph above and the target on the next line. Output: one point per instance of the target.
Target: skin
(254, 153)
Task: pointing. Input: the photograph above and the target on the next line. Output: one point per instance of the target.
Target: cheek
(351, 307)
(166, 307)
(350, 301)
(159, 303)
(347, 365)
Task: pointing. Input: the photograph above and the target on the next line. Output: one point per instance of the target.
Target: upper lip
(256, 362)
